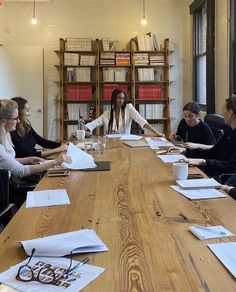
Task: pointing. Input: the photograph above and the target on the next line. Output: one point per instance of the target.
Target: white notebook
(135, 144)
(198, 183)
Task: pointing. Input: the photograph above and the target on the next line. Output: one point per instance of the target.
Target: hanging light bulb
(34, 19)
(144, 21)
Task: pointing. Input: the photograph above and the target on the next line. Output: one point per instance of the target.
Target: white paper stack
(156, 142)
(203, 183)
(80, 241)
(208, 232)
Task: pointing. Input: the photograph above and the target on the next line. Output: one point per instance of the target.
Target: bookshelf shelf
(87, 79)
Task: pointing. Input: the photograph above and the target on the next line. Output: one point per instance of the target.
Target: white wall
(97, 19)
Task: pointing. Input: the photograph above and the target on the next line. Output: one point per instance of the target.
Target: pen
(84, 261)
(186, 137)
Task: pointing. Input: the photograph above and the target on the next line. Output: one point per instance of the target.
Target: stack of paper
(80, 159)
(199, 194)
(47, 198)
(114, 136)
(171, 158)
(75, 281)
(156, 142)
(130, 137)
(198, 183)
(81, 241)
(208, 232)
(226, 253)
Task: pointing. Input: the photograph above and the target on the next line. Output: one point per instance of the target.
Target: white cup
(180, 170)
(80, 134)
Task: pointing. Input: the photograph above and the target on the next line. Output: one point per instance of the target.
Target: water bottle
(81, 130)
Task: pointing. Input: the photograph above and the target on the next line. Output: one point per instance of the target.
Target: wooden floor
(143, 222)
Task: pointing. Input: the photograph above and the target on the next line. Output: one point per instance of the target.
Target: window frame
(210, 52)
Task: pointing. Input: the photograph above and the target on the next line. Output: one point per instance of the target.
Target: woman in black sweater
(25, 138)
(192, 130)
(221, 158)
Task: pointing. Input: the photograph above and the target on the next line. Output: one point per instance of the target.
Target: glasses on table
(46, 274)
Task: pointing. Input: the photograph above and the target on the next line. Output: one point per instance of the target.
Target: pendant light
(144, 21)
(34, 19)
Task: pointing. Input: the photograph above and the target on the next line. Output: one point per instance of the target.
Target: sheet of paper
(76, 280)
(156, 142)
(84, 240)
(131, 137)
(47, 198)
(80, 159)
(208, 232)
(198, 183)
(135, 144)
(113, 136)
(199, 194)
(226, 253)
(167, 158)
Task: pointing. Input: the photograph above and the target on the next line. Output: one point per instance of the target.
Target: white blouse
(8, 161)
(122, 128)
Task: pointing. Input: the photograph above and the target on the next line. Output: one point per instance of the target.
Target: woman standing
(25, 138)
(120, 116)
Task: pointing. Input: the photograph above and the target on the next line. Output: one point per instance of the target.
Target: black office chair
(216, 124)
(7, 210)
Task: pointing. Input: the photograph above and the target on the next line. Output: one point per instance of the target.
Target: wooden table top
(140, 218)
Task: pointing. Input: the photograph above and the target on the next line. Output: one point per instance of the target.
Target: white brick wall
(97, 19)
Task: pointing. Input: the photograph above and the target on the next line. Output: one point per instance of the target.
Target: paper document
(80, 159)
(131, 137)
(199, 194)
(198, 183)
(76, 280)
(113, 136)
(208, 232)
(47, 198)
(226, 253)
(80, 241)
(136, 144)
(166, 158)
(156, 142)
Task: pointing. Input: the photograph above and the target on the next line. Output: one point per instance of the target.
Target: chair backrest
(216, 124)
(4, 188)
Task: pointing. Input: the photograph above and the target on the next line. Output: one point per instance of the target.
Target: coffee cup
(180, 170)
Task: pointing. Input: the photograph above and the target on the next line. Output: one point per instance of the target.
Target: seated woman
(21, 166)
(119, 118)
(24, 138)
(192, 131)
(221, 158)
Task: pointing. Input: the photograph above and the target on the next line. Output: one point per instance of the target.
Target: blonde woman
(20, 166)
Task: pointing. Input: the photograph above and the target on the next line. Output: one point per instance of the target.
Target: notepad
(166, 158)
(226, 253)
(47, 198)
(199, 194)
(198, 183)
(156, 142)
(208, 232)
(136, 144)
(80, 241)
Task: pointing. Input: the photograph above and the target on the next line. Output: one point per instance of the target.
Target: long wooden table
(143, 222)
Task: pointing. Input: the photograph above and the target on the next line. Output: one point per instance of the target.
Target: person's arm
(153, 130)
(96, 123)
(229, 190)
(50, 152)
(135, 115)
(44, 142)
(191, 145)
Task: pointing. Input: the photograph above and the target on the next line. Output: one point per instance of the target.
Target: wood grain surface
(140, 218)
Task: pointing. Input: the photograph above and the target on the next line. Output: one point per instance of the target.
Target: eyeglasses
(14, 119)
(46, 274)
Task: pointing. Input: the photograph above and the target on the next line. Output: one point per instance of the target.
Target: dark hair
(114, 95)
(193, 107)
(231, 103)
(22, 127)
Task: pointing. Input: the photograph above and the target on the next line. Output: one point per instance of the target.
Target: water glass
(101, 144)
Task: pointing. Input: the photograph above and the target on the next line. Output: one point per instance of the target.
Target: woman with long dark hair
(120, 116)
(24, 138)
